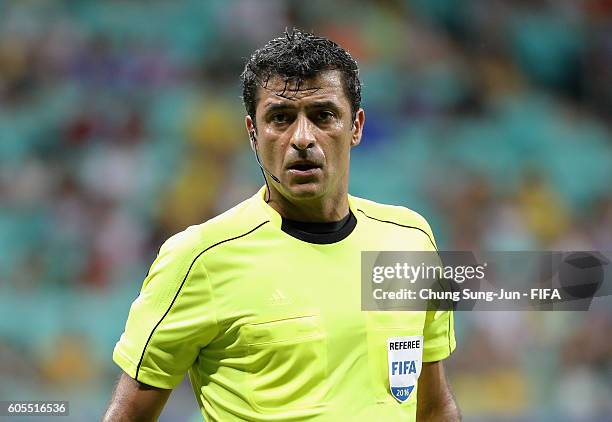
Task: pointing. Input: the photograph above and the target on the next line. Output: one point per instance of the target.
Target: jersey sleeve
(171, 320)
(438, 335)
(439, 329)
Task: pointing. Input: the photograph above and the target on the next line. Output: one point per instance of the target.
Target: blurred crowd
(121, 124)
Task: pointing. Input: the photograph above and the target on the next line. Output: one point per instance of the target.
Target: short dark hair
(297, 56)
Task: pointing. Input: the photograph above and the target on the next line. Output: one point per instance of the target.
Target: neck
(317, 210)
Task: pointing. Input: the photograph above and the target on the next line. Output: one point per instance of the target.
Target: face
(305, 140)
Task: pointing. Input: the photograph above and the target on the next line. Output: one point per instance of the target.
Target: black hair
(297, 56)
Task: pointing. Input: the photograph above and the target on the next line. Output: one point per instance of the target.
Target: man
(261, 305)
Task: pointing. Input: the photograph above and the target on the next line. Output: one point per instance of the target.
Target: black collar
(320, 233)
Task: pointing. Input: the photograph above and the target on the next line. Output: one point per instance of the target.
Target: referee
(261, 305)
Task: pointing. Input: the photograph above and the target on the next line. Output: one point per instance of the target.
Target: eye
(325, 116)
(280, 118)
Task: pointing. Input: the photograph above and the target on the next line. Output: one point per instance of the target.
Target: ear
(251, 130)
(358, 127)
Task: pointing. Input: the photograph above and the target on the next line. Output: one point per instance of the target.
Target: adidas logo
(279, 298)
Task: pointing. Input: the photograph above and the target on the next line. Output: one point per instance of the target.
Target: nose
(303, 136)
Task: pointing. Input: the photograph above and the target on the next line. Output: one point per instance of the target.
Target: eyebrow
(277, 107)
(317, 104)
(325, 104)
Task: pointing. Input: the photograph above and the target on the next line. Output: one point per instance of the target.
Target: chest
(292, 288)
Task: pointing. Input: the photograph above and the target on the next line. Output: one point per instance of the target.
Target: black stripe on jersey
(450, 350)
(432, 243)
(181, 286)
(449, 306)
(401, 225)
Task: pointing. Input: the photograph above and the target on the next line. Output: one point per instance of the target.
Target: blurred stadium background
(121, 124)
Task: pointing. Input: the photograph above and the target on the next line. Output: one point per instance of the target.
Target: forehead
(325, 86)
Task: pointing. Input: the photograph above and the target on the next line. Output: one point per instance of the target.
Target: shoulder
(392, 214)
(233, 224)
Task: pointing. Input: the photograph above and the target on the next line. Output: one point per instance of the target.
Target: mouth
(303, 168)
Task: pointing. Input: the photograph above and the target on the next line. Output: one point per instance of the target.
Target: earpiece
(253, 140)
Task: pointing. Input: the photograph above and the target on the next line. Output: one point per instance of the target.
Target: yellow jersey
(266, 317)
